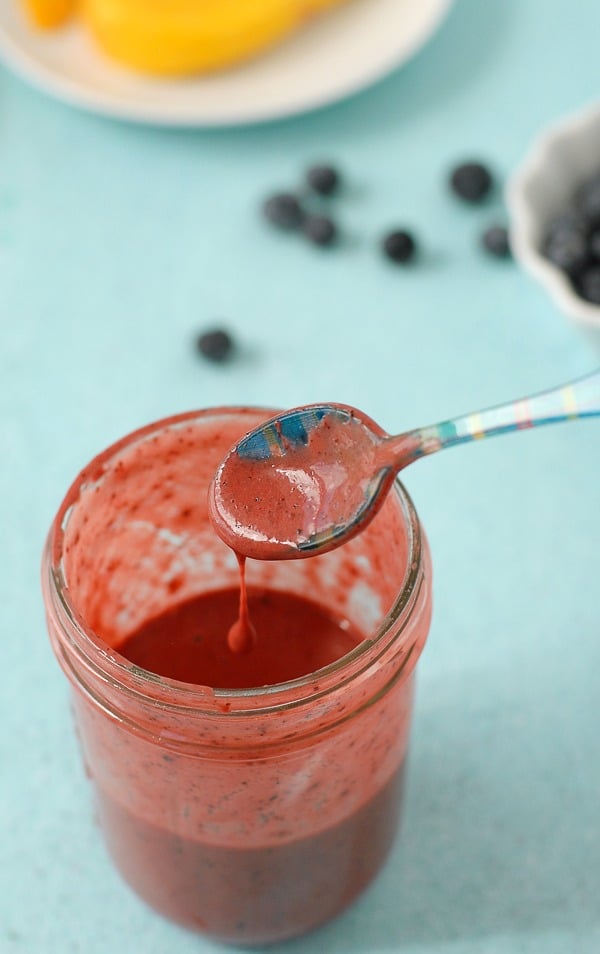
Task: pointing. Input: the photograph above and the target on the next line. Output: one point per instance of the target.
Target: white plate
(339, 54)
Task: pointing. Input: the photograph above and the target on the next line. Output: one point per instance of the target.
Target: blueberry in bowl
(554, 206)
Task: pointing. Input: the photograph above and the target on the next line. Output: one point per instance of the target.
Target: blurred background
(122, 241)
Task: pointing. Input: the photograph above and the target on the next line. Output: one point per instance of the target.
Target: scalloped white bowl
(566, 154)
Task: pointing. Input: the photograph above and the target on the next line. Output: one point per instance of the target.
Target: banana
(179, 37)
(48, 14)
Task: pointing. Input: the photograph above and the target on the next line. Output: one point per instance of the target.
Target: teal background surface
(117, 245)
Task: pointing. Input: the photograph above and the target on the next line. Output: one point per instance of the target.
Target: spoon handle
(580, 398)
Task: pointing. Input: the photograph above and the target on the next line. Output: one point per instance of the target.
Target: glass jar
(250, 815)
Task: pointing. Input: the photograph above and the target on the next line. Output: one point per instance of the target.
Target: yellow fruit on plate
(48, 14)
(178, 37)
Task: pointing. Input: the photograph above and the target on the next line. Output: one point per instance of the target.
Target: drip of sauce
(242, 637)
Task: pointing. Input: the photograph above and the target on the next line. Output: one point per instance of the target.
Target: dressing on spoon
(311, 478)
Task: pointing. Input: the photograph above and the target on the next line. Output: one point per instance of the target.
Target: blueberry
(567, 249)
(216, 345)
(594, 245)
(284, 211)
(399, 246)
(319, 229)
(323, 179)
(495, 240)
(587, 200)
(471, 181)
(569, 220)
(588, 284)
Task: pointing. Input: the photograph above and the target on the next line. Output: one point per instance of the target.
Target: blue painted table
(118, 244)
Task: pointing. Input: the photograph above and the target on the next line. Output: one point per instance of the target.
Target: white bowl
(561, 159)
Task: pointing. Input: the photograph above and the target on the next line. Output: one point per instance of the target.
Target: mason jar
(251, 815)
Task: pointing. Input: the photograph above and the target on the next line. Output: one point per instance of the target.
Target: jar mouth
(110, 666)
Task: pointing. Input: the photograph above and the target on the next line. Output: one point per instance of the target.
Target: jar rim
(108, 664)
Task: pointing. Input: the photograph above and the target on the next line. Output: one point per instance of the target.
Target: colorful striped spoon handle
(580, 398)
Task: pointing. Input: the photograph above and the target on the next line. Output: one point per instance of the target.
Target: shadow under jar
(254, 814)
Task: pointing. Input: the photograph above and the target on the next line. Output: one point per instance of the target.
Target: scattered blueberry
(496, 241)
(471, 181)
(284, 211)
(588, 284)
(323, 179)
(399, 246)
(319, 229)
(216, 345)
(567, 249)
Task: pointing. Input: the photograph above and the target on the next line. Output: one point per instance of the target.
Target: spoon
(311, 478)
